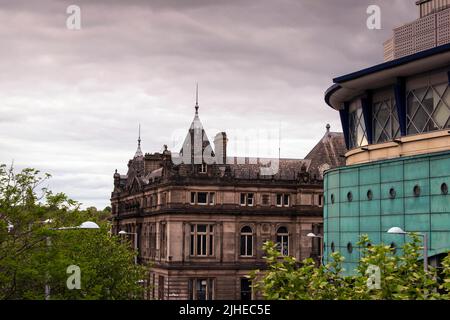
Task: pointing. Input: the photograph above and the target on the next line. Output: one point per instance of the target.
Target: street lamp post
(312, 235)
(397, 230)
(84, 225)
(135, 242)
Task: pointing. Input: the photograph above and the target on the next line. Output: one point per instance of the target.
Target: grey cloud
(70, 101)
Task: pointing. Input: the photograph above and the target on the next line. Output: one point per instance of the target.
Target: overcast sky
(71, 100)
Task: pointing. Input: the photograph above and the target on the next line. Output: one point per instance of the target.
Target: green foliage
(402, 277)
(34, 253)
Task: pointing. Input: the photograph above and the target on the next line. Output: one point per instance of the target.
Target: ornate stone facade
(200, 227)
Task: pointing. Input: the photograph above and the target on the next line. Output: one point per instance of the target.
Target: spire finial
(139, 151)
(328, 127)
(139, 137)
(196, 99)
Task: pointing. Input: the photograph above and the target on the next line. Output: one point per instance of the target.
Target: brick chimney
(220, 147)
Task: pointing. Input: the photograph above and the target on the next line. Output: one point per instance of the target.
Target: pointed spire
(139, 138)
(139, 151)
(196, 100)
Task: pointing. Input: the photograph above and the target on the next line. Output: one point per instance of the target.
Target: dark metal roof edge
(335, 87)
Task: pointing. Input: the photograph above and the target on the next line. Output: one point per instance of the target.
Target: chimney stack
(220, 147)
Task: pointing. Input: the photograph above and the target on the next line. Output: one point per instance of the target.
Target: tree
(401, 276)
(33, 253)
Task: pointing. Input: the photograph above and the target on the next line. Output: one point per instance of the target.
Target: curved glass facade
(428, 108)
(385, 125)
(426, 100)
(409, 192)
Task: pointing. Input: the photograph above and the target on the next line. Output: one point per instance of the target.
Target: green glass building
(396, 122)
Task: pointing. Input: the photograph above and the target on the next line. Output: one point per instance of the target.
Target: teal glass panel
(436, 183)
(386, 187)
(349, 178)
(349, 209)
(370, 208)
(440, 204)
(369, 175)
(391, 172)
(392, 206)
(369, 224)
(416, 169)
(440, 221)
(417, 222)
(333, 224)
(333, 179)
(415, 205)
(440, 167)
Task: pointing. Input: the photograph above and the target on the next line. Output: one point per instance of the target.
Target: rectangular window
(152, 241)
(243, 199)
(320, 200)
(202, 240)
(247, 199)
(161, 288)
(246, 289)
(283, 200)
(286, 199)
(279, 200)
(202, 198)
(283, 244)
(153, 285)
(192, 197)
(164, 198)
(201, 289)
(357, 127)
(250, 199)
(162, 239)
(212, 198)
(385, 121)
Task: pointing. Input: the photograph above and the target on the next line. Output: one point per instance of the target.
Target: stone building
(200, 218)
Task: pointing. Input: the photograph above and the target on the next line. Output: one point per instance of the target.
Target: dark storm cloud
(70, 101)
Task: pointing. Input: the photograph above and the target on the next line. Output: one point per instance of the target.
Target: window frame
(283, 236)
(193, 288)
(202, 239)
(247, 237)
(283, 197)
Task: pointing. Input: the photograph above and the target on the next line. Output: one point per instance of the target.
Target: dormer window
(203, 168)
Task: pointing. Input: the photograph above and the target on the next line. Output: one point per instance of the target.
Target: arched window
(246, 242)
(283, 240)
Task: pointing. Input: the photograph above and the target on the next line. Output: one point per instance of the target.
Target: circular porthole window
(332, 247)
(332, 198)
(369, 195)
(349, 247)
(444, 189)
(392, 193)
(349, 197)
(393, 247)
(416, 191)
